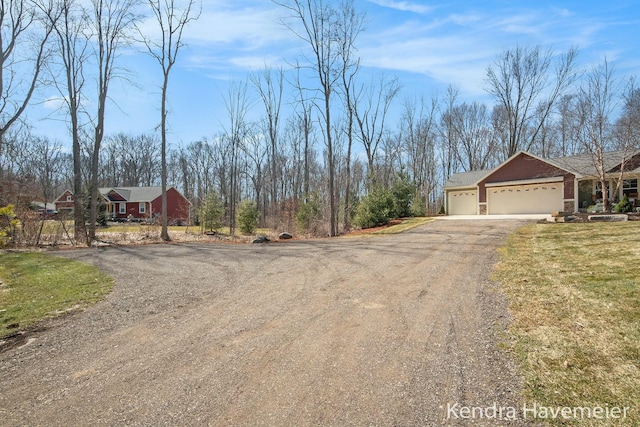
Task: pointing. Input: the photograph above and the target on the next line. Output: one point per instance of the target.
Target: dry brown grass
(394, 227)
(574, 293)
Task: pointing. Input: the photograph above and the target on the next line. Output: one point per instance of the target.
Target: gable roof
(466, 179)
(582, 164)
(134, 194)
(60, 196)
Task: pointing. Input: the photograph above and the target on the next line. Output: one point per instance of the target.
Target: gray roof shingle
(582, 164)
(466, 179)
(135, 194)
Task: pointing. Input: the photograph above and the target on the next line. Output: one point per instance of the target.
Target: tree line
(328, 136)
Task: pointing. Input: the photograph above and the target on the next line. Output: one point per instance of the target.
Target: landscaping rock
(609, 218)
(261, 239)
(285, 236)
(568, 218)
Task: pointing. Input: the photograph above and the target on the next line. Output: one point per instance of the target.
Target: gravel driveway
(387, 330)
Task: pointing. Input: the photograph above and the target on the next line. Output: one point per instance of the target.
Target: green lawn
(36, 286)
(574, 293)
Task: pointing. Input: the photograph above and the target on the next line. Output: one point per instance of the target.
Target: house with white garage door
(528, 184)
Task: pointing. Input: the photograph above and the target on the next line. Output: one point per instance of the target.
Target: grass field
(36, 285)
(574, 294)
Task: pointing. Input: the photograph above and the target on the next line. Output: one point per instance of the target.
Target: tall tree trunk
(332, 171)
(346, 220)
(164, 233)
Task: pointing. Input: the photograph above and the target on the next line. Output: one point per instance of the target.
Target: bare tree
(46, 163)
(237, 104)
(112, 19)
(447, 146)
(353, 24)
(526, 85)
(23, 53)
(420, 133)
(371, 110)
(16, 175)
(474, 136)
(270, 85)
(131, 160)
(104, 27)
(319, 23)
(628, 124)
(256, 149)
(69, 21)
(566, 127)
(303, 120)
(172, 21)
(598, 99)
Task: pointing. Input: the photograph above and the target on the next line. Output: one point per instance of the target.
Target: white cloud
(447, 60)
(563, 12)
(54, 103)
(404, 6)
(249, 27)
(246, 27)
(458, 47)
(231, 37)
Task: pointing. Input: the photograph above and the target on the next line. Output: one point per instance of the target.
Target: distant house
(141, 203)
(527, 184)
(64, 202)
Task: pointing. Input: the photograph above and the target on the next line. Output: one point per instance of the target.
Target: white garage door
(526, 199)
(462, 202)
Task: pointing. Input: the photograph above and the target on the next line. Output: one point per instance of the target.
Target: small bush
(309, 215)
(377, 208)
(211, 212)
(8, 224)
(248, 216)
(623, 206)
(402, 192)
(417, 207)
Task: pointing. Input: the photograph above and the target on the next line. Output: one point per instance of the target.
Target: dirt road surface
(389, 330)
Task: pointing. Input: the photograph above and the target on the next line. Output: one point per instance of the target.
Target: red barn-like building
(142, 203)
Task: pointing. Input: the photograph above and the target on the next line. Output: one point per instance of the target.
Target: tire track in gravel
(365, 331)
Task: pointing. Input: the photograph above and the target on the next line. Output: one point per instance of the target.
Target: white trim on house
(525, 181)
(462, 187)
(142, 207)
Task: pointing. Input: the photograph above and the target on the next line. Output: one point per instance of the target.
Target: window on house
(142, 207)
(123, 207)
(599, 190)
(69, 199)
(630, 187)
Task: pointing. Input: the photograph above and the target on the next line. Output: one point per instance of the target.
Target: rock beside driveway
(285, 236)
(261, 239)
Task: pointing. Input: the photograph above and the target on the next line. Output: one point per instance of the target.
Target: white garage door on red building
(541, 198)
(462, 202)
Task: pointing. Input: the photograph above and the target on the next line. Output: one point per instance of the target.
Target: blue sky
(427, 45)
